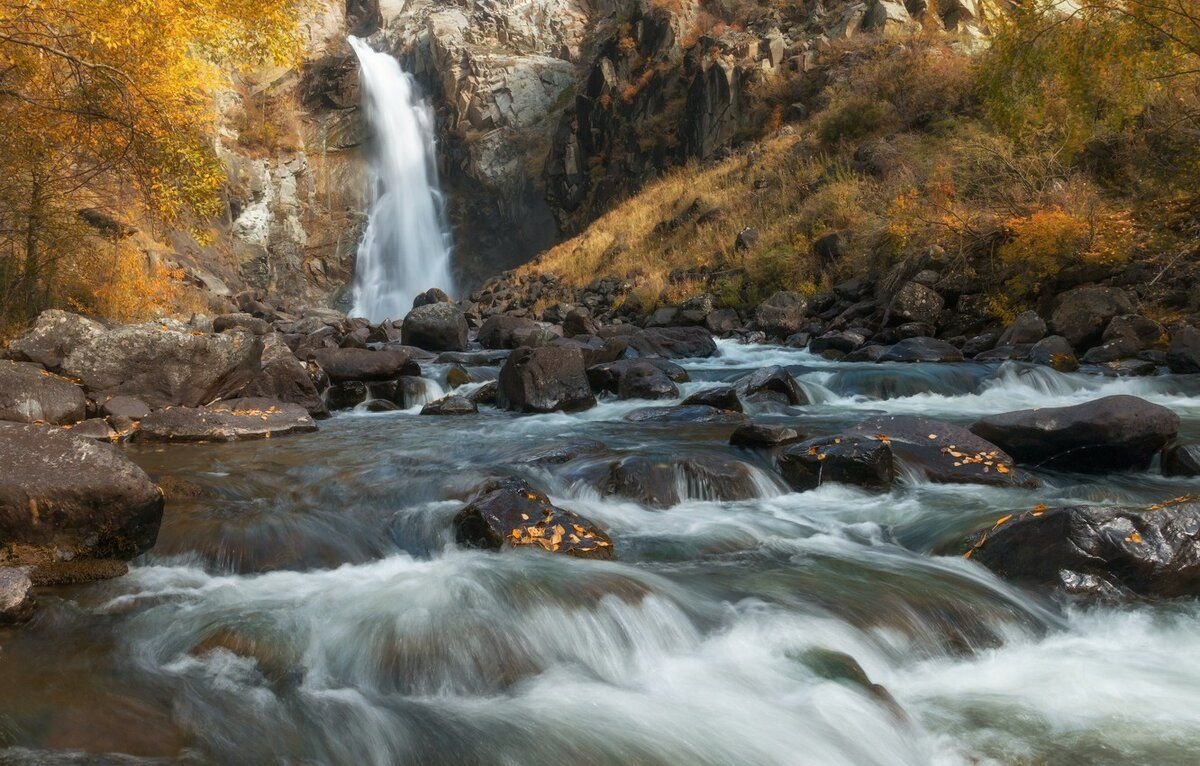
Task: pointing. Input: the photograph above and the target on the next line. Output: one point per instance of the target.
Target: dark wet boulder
(505, 332)
(457, 376)
(695, 413)
(722, 322)
(1181, 459)
(1004, 354)
(922, 349)
(125, 407)
(1054, 352)
(944, 453)
(1110, 434)
(243, 321)
(29, 394)
(544, 379)
(450, 405)
(431, 296)
(55, 335)
(1082, 314)
(781, 315)
(673, 342)
(1137, 330)
(764, 436)
(843, 341)
(663, 482)
(360, 364)
(643, 380)
(771, 383)
(73, 509)
(225, 421)
(493, 358)
(485, 394)
(915, 302)
(1098, 551)
(345, 395)
(1028, 328)
(578, 321)
(864, 461)
(1183, 354)
(165, 363)
(720, 397)
(436, 327)
(509, 513)
(557, 454)
(980, 343)
(608, 376)
(287, 379)
(869, 353)
(381, 405)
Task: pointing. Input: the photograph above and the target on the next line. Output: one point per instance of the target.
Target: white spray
(406, 248)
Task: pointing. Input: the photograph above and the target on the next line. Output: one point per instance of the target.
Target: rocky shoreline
(77, 509)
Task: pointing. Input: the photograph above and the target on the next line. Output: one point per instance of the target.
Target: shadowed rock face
(1112, 433)
(68, 505)
(1102, 551)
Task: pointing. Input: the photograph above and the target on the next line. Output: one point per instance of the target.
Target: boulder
(1027, 328)
(436, 327)
(1181, 459)
(247, 322)
(345, 395)
(915, 302)
(1183, 355)
(29, 394)
(360, 364)
(72, 508)
(771, 383)
(95, 428)
(165, 363)
(609, 375)
(1113, 433)
(544, 379)
(509, 513)
(1082, 314)
(485, 394)
(921, 349)
(1056, 352)
(431, 296)
(865, 461)
(843, 341)
(55, 335)
(722, 322)
(16, 596)
(943, 453)
(721, 397)
(578, 321)
(557, 454)
(450, 405)
(226, 421)
(287, 380)
(1136, 330)
(501, 331)
(1098, 551)
(781, 315)
(674, 342)
(763, 436)
(643, 380)
(695, 413)
(666, 482)
(125, 407)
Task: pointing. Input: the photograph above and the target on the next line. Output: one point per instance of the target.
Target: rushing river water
(817, 628)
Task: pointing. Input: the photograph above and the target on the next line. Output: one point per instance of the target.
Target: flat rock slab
(232, 420)
(68, 504)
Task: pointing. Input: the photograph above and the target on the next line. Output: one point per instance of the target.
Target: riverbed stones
(1098, 550)
(360, 364)
(1114, 433)
(226, 421)
(864, 461)
(165, 363)
(55, 335)
(510, 513)
(72, 508)
(436, 327)
(30, 394)
(544, 379)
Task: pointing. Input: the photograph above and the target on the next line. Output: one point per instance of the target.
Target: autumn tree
(105, 107)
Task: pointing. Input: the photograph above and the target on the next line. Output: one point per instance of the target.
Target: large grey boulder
(29, 394)
(1183, 355)
(16, 595)
(73, 509)
(1027, 328)
(55, 335)
(1082, 314)
(544, 379)
(165, 363)
(781, 315)
(436, 327)
(915, 302)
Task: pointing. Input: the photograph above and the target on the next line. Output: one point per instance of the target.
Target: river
(836, 626)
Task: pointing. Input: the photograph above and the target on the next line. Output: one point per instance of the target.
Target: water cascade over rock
(406, 247)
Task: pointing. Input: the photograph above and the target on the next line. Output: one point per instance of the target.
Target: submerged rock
(1104, 551)
(29, 394)
(72, 508)
(232, 420)
(510, 513)
(695, 413)
(865, 461)
(760, 435)
(544, 379)
(1111, 434)
(665, 482)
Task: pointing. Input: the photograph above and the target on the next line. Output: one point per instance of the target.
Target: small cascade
(406, 248)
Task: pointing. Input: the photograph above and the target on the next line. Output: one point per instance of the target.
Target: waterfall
(406, 248)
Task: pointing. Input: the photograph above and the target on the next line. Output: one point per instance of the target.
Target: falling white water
(406, 248)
